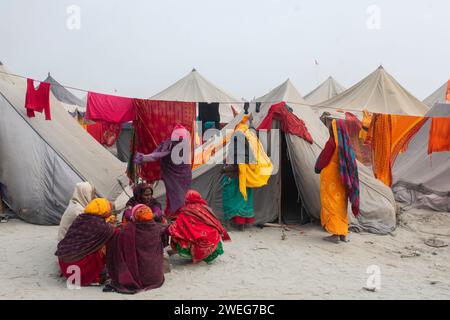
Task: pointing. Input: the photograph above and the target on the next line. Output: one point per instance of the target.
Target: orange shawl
(389, 135)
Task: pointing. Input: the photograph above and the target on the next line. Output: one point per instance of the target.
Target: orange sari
(333, 196)
(389, 135)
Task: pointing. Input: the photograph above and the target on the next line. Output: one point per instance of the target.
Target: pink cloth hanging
(38, 100)
(108, 108)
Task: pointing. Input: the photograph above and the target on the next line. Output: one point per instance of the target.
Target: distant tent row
(41, 161)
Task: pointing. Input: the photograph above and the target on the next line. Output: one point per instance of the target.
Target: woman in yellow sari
(248, 167)
(333, 194)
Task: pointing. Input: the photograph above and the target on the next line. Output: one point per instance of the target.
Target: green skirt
(233, 202)
(187, 253)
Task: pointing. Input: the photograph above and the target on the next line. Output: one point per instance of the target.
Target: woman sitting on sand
(196, 232)
(84, 245)
(143, 194)
(135, 254)
(83, 194)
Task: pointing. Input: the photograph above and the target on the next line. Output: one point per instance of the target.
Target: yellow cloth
(253, 175)
(99, 207)
(367, 119)
(333, 196)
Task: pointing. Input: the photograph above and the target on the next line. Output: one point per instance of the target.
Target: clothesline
(227, 102)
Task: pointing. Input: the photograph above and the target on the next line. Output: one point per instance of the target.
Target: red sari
(196, 228)
(90, 267)
(84, 247)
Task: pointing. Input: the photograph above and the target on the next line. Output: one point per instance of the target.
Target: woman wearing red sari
(84, 245)
(196, 232)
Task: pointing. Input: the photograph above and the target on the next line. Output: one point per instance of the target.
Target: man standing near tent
(338, 180)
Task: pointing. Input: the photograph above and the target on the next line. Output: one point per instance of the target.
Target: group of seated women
(127, 256)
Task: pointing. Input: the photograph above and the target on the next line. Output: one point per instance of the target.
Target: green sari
(233, 202)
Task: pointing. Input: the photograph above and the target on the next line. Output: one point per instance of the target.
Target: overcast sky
(245, 47)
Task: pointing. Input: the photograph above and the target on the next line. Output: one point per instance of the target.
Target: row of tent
(41, 161)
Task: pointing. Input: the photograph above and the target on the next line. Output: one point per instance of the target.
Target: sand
(258, 264)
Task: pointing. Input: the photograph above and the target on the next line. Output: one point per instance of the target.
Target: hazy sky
(245, 47)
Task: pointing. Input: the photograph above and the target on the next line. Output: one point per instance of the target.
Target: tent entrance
(291, 203)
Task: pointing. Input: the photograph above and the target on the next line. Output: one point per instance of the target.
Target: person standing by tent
(84, 244)
(177, 177)
(196, 233)
(338, 180)
(248, 167)
(135, 254)
(83, 194)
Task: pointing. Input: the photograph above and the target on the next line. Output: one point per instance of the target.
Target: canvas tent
(68, 100)
(325, 91)
(40, 161)
(195, 88)
(421, 180)
(378, 92)
(294, 190)
(439, 96)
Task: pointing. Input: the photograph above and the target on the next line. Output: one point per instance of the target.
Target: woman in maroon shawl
(143, 194)
(196, 232)
(135, 254)
(83, 247)
(177, 177)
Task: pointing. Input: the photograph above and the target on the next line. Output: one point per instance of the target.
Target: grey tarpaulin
(68, 100)
(40, 161)
(123, 143)
(421, 180)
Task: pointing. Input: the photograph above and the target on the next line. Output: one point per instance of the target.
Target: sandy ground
(258, 264)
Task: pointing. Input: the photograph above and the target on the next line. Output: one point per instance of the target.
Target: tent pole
(2, 208)
(280, 143)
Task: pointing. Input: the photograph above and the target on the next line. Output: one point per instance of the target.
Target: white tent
(286, 90)
(195, 88)
(298, 160)
(40, 160)
(378, 92)
(326, 90)
(439, 96)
